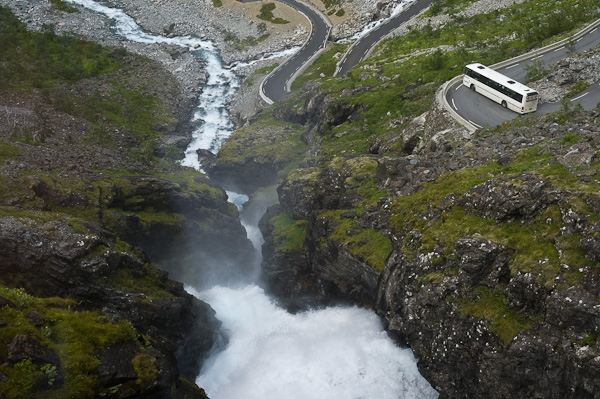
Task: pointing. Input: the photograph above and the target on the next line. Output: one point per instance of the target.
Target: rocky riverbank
(93, 209)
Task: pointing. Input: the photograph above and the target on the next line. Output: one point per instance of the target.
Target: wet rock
(526, 294)
(505, 199)
(483, 261)
(34, 318)
(574, 308)
(116, 365)
(24, 347)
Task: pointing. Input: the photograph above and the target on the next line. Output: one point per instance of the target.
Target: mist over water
(332, 353)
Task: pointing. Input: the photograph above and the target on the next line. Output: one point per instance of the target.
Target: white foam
(332, 353)
(212, 123)
(372, 25)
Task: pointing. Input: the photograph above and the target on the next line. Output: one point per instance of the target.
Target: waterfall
(337, 352)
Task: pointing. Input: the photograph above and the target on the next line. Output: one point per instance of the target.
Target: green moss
(73, 335)
(146, 368)
(147, 281)
(62, 6)
(8, 151)
(368, 244)
(570, 139)
(438, 276)
(268, 141)
(492, 306)
(288, 233)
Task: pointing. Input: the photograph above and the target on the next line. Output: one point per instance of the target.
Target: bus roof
(502, 79)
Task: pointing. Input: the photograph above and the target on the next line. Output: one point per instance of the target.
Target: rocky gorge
(478, 251)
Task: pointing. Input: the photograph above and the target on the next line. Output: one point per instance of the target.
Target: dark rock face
(521, 197)
(49, 259)
(494, 286)
(24, 347)
(482, 261)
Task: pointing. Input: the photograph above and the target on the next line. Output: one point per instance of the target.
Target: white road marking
(475, 124)
(539, 56)
(458, 87)
(454, 105)
(583, 95)
(593, 30)
(512, 66)
(560, 48)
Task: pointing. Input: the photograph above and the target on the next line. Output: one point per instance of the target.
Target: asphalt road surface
(481, 111)
(277, 84)
(360, 49)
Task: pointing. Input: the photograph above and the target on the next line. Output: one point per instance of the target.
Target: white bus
(501, 89)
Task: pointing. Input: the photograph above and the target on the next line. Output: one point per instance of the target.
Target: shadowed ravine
(336, 352)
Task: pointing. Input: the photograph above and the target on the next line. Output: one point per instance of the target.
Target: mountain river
(331, 353)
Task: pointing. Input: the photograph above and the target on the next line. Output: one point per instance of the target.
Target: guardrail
(505, 63)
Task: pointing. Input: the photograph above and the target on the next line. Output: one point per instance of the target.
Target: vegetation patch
(8, 151)
(288, 233)
(492, 306)
(266, 14)
(60, 5)
(39, 59)
(74, 335)
(369, 244)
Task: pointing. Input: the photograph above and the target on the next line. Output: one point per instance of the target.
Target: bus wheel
(473, 87)
(504, 104)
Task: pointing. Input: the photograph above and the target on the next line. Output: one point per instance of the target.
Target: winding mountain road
(475, 111)
(363, 46)
(277, 84)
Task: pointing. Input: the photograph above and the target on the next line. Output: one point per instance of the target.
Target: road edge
(445, 87)
(261, 91)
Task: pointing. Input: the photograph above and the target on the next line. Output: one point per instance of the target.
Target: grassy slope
(43, 65)
(398, 83)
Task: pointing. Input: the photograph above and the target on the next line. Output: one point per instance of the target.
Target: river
(331, 353)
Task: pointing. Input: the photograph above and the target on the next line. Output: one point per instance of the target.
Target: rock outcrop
(492, 279)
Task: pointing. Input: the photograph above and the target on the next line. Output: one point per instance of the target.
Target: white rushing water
(372, 25)
(211, 117)
(333, 353)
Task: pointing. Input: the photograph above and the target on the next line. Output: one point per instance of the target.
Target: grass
(288, 233)
(369, 244)
(8, 151)
(492, 306)
(39, 59)
(73, 334)
(266, 14)
(268, 141)
(60, 5)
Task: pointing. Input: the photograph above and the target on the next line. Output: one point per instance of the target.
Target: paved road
(361, 48)
(481, 111)
(277, 84)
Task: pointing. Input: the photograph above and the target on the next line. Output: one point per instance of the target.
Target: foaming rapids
(212, 124)
(332, 353)
(337, 352)
(372, 25)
